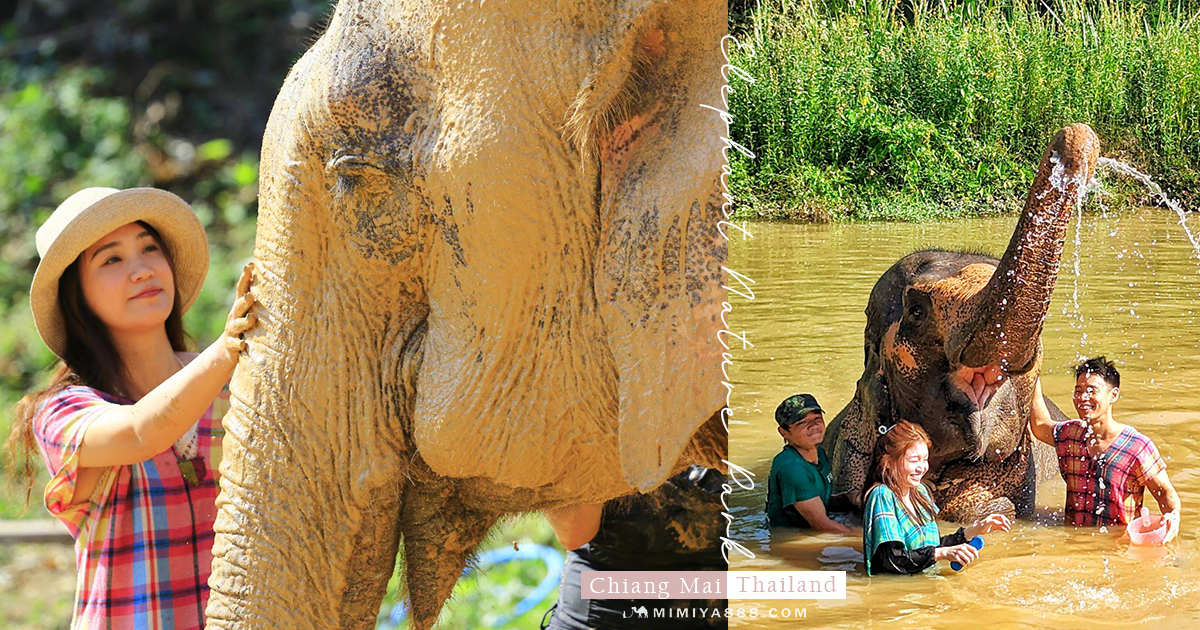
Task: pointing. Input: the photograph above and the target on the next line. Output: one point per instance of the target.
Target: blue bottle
(976, 542)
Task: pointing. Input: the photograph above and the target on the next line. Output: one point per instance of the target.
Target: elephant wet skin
(490, 271)
(953, 343)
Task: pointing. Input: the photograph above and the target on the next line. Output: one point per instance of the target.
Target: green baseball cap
(795, 407)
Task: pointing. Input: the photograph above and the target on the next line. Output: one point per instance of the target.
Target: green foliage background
(126, 93)
(914, 109)
(173, 94)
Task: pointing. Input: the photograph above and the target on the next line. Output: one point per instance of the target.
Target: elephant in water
(953, 343)
(489, 281)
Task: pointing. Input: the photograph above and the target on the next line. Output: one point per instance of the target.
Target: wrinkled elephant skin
(489, 275)
(953, 343)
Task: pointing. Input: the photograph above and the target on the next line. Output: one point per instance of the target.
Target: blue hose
(552, 557)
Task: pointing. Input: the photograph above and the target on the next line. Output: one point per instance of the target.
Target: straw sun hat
(90, 214)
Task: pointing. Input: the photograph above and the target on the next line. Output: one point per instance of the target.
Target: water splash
(1122, 168)
(1076, 312)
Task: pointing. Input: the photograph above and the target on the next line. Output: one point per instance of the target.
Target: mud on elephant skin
(490, 281)
(953, 343)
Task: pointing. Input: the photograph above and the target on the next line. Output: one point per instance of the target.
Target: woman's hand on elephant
(988, 525)
(962, 554)
(240, 318)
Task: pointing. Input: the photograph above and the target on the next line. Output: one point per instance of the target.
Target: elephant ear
(853, 433)
(843, 454)
(658, 268)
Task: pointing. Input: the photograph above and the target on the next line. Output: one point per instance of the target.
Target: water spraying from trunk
(1122, 168)
(1110, 165)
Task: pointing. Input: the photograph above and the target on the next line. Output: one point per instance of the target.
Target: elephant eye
(352, 165)
(916, 311)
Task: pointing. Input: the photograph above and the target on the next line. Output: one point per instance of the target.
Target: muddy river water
(1135, 299)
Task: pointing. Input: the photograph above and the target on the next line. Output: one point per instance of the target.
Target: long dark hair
(885, 467)
(90, 359)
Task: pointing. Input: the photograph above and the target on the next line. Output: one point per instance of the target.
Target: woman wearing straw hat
(130, 426)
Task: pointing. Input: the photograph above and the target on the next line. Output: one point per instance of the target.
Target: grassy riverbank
(859, 111)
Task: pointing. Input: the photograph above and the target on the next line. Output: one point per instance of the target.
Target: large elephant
(953, 343)
(488, 282)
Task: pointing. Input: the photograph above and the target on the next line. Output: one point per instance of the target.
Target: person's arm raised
(128, 434)
(1041, 424)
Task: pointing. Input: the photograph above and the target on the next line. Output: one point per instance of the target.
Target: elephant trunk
(314, 461)
(1011, 309)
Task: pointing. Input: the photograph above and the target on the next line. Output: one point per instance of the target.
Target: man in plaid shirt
(1106, 464)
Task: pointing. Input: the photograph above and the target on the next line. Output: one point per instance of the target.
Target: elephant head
(489, 282)
(953, 343)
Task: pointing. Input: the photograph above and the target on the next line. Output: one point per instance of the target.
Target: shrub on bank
(885, 111)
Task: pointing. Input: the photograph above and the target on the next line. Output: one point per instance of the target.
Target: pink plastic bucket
(1147, 530)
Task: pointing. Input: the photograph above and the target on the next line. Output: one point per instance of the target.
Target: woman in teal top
(900, 533)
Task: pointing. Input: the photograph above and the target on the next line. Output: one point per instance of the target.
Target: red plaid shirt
(143, 539)
(1107, 489)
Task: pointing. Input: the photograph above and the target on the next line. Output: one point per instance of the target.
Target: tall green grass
(912, 110)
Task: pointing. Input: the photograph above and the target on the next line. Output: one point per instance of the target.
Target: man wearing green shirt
(801, 479)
